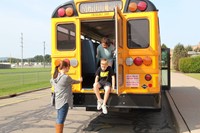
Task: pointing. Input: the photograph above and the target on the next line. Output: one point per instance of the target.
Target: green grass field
(194, 75)
(18, 80)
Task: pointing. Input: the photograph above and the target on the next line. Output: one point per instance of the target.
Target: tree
(188, 48)
(178, 53)
(38, 58)
(47, 58)
(163, 46)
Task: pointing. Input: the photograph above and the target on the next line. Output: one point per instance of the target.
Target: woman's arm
(77, 81)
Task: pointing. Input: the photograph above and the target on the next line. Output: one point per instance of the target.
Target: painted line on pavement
(23, 100)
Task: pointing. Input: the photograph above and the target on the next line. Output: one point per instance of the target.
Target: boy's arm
(96, 79)
(113, 82)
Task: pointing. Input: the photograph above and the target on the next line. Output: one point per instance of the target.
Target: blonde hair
(103, 59)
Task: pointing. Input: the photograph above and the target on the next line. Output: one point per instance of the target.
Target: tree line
(181, 58)
(37, 58)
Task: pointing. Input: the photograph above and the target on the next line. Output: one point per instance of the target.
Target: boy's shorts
(104, 83)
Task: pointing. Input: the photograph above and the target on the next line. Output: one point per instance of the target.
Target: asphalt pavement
(184, 99)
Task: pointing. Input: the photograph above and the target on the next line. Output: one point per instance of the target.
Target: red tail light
(61, 12)
(148, 77)
(138, 61)
(142, 6)
(150, 85)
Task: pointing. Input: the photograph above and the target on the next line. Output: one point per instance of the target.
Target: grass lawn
(18, 80)
(194, 75)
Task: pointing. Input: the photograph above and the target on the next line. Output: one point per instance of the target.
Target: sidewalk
(184, 98)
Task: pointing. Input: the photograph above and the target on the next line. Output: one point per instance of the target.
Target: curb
(18, 94)
(179, 120)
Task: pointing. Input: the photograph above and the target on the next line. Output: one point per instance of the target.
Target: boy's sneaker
(99, 104)
(104, 109)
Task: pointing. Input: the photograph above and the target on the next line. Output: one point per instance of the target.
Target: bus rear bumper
(147, 101)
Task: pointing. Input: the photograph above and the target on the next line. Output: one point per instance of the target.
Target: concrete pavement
(184, 98)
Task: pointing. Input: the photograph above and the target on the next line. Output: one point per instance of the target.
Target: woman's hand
(81, 79)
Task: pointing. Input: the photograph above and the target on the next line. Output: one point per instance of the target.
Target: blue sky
(179, 23)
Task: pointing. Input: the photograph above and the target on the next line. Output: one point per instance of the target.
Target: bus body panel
(146, 94)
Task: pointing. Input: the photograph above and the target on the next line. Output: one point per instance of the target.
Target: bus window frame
(148, 31)
(68, 36)
(119, 36)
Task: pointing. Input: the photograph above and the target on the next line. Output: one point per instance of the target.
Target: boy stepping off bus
(104, 79)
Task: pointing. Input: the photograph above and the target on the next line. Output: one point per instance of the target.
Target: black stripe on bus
(69, 3)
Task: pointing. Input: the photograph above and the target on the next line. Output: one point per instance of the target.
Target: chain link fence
(25, 79)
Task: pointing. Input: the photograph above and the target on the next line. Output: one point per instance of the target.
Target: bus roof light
(132, 7)
(69, 11)
(142, 6)
(61, 12)
(138, 61)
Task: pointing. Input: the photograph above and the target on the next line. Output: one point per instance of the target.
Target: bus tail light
(147, 61)
(138, 61)
(61, 12)
(132, 7)
(148, 77)
(74, 62)
(57, 62)
(150, 85)
(142, 6)
(129, 61)
(69, 11)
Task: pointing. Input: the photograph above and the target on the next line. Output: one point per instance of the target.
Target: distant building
(196, 46)
(5, 65)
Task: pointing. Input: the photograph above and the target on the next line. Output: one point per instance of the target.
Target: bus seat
(97, 60)
(88, 57)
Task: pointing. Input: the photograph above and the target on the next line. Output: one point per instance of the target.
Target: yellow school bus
(77, 29)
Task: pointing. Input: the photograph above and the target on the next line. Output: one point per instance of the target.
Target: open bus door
(165, 60)
(66, 44)
(119, 26)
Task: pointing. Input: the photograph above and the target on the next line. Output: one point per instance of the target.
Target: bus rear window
(66, 37)
(138, 33)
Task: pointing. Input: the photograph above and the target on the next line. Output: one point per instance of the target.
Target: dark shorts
(104, 83)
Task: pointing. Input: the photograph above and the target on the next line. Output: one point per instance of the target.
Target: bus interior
(92, 33)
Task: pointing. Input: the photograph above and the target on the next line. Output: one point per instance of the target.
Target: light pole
(22, 50)
(44, 54)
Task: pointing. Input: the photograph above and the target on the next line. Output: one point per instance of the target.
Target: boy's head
(104, 64)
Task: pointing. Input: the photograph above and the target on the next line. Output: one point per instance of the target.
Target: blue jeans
(62, 113)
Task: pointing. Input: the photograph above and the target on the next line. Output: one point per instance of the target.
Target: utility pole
(22, 50)
(44, 54)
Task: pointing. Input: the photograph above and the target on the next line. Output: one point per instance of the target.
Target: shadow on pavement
(137, 121)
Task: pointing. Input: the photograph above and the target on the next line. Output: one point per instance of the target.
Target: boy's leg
(96, 91)
(96, 87)
(106, 94)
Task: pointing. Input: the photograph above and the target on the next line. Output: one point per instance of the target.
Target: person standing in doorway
(105, 50)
